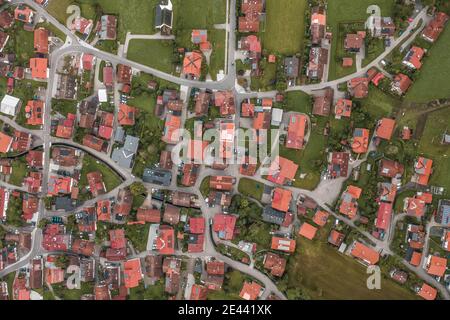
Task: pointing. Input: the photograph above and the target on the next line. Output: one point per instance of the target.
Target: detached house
(435, 27)
(164, 17)
(414, 57)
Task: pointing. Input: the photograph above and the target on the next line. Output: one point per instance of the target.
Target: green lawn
(64, 107)
(90, 164)
(19, 171)
(430, 145)
(379, 104)
(298, 101)
(204, 187)
(433, 80)
(131, 13)
(251, 188)
(321, 272)
(154, 292)
(189, 15)
(348, 11)
(153, 53)
(284, 28)
(375, 49)
(22, 44)
(265, 82)
(310, 159)
(138, 235)
(217, 62)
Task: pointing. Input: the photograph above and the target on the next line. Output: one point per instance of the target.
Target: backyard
(284, 27)
(251, 188)
(323, 273)
(433, 81)
(430, 145)
(156, 54)
(130, 13)
(90, 164)
(348, 11)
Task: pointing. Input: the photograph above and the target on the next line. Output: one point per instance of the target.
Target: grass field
(310, 159)
(430, 145)
(379, 104)
(251, 188)
(284, 28)
(433, 81)
(323, 273)
(19, 171)
(189, 15)
(131, 13)
(153, 53)
(344, 11)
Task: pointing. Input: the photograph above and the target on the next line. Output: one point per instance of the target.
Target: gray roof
(163, 17)
(291, 65)
(131, 144)
(157, 176)
(124, 156)
(271, 215)
(119, 135)
(65, 203)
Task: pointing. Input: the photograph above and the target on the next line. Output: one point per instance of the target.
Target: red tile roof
(427, 292)
(423, 168)
(224, 183)
(384, 216)
(198, 292)
(321, 217)
(435, 27)
(343, 108)
(414, 57)
(171, 133)
(148, 215)
(359, 87)
(197, 225)
(132, 273)
(5, 142)
(165, 242)
(385, 128)
(192, 64)
(364, 253)
(224, 225)
(275, 264)
(360, 142)
(296, 131)
(108, 76)
(416, 259)
(39, 68)
(282, 170)
(437, 266)
(117, 238)
(308, 231)
(401, 83)
(34, 111)
(126, 115)
(283, 244)
(281, 199)
(250, 291)
(41, 40)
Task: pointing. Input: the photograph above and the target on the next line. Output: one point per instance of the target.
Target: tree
(62, 261)
(137, 188)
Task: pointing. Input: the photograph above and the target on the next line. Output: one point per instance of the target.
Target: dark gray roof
(65, 203)
(271, 215)
(163, 17)
(157, 176)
